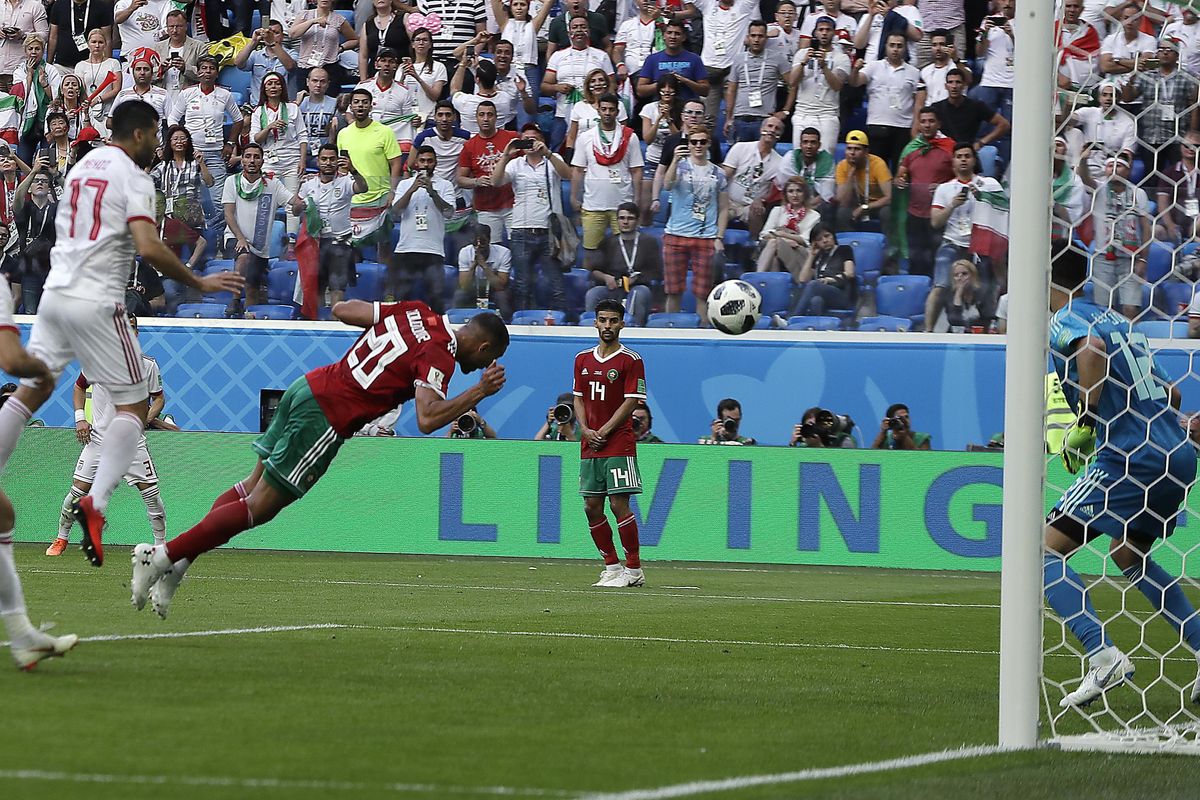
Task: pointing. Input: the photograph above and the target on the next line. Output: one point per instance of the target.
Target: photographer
(471, 426)
(560, 424)
(642, 420)
(726, 427)
(896, 433)
(819, 427)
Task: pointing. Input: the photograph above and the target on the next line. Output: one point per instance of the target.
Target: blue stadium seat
(1159, 261)
(588, 318)
(687, 301)
(901, 295)
(1188, 249)
(1137, 171)
(679, 320)
(884, 323)
(212, 268)
(201, 310)
(281, 282)
(737, 237)
(325, 314)
(271, 312)
(576, 284)
(870, 250)
(1162, 329)
(1174, 297)
(370, 282)
(664, 208)
(538, 317)
(775, 288)
(449, 284)
(348, 14)
(234, 79)
(460, 316)
(839, 149)
(814, 324)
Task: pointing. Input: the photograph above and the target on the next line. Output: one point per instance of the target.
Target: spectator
(10, 268)
(953, 212)
(692, 117)
(264, 53)
(585, 114)
(34, 69)
(969, 309)
(896, 433)
(1108, 129)
(892, 16)
(251, 199)
(478, 430)
(726, 428)
(560, 424)
(10, 112)
(535, 178)
(674, 59)
(925, 165)
(144, 293)
(392, 104)
(485, 89)
(1185, 28)
(892, 95)
(726, 23)
(561, 36)
(995, 43)
(827, 278)
(511, 83)
(635, 37)
(566, 71)
(141, 69)
(606, 172)
(750, 91)
(864, 186)
(447, 140)
(317, 111)
(460, 20)
(202, 109)
(276, 126)
(945, 19)
(1002, 315)
(140, 23)
(751, 169)
(70, 102)
(382, 28)
(330, 193)
(57, 152)
(1124, 230)
(1068, 193)
(660, 120)
(943, 58)
(1178, 195)
(1168, 96)
(844, 26)
(643, 421)
(1078, 48)
(68, 24)
(100, 76)
(422, 203)
(696, 227)
(484, 272)
(179, 54)
(631, 262)
(814, 164)
(493, 204)
(324, 35)
(516, 26)
(374, 154)
(961, 117)
(184, 181)
(782, 34)
(819, 427)
(422, 75)
(786, 236)
(1124, 47)
(35, 206)
(1193, 316)
(10, 178)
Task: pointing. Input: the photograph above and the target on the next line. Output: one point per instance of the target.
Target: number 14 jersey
(604, 384)
(408, 346)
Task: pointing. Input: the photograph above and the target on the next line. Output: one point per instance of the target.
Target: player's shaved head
(481, 341)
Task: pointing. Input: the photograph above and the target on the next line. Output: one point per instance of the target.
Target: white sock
(160, 559)
(156, 513)
(12, 602)
(14, 416)
(66, 519)
(614, 567)
(116, 454)
(636, 571)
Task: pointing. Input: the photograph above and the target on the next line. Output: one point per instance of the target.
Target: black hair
(756, 23)
(956, 71)
(53, 115)
(609, 97)
(811, 131)
(262, 85)
(822, 228)
(964, 146)
(1068, 266)
(893, 408)
(675, 23)
(425, 149)
(728, 404)
(328, 146)
(190, 153)
(363, 92)
(252, 146)
(485, 104)
(611, 305)
(133, 115)
(493, 327)
(485, 74)
(630, 208)
(942, 32)
(810, 412)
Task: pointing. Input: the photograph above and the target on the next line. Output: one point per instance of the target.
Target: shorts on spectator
(595, 225)
(739, 213)
(337, 261)
(681, 253)
(1115, 276)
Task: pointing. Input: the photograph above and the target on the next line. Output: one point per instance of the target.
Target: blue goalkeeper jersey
(1135, 418)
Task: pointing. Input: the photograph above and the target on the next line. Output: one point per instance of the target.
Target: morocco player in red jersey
(610, 381)
(406, 352)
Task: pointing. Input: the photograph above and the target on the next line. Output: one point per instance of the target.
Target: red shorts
(681, 253)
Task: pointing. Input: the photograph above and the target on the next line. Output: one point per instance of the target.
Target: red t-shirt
(925, 173)
(604, 384)
(479, 155)
(408, 346)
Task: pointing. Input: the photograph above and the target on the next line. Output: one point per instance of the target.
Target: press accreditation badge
(756, 99)
(1191, 207)
(421, 221)
(615, 176)
(80, 42)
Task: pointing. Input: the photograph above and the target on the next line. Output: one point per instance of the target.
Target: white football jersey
(93, 253)
(102, 405)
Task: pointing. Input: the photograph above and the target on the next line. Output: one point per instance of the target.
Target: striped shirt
(459, 20)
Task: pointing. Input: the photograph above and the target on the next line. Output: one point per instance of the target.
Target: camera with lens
(827, 426)
(7, 391)
(564, 414)
(636, 422)
(897, 423)
(729, 426)
(466, 426)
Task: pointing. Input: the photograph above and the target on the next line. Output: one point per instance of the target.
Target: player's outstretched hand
(1078, 447)
(222, 282)
(492, 379)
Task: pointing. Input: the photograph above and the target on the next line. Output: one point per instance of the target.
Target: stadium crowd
(848, 157)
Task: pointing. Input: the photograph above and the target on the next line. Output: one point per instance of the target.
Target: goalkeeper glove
(1079, 446)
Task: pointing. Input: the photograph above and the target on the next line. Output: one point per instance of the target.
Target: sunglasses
(698, 141)
(691, 113)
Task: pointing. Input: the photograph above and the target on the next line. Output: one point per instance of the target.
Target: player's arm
(152, 250)
(619, 416)
(358, 313)
(1091, 362)
(83, 428)
(434, 412)
(157, 402)
(585, 433)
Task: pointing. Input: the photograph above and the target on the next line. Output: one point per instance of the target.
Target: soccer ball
(734, 307)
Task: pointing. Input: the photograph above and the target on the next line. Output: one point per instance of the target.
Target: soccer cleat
(92, 522)
(607, 575)
(1196, 685)
(635, 577)
(145, 575)
(43, 646)
(57, 547)
(164, 589)
(1114, 671)
(617, 580)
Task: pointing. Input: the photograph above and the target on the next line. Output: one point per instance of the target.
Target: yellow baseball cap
(858, 137)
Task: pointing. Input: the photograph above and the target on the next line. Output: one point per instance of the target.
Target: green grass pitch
(475, 678)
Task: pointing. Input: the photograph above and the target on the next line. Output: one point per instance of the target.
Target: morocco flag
(308, 259)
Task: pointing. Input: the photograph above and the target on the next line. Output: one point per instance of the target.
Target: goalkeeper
(1133, 487)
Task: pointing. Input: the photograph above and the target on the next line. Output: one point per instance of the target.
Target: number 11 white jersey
(93, 252)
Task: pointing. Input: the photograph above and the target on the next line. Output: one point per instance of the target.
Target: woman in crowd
(786, 232)
(184, 181)
(586, 114)
(659, 120)
(383, 28)
(421, 75)
(71, 101)
(970, 307)
(93, 72)
(827, 278)
(35, 71)
(324, 35)
(277, 126)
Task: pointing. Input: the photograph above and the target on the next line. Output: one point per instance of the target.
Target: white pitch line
(825, 773)
(278, 783)
(221, 632)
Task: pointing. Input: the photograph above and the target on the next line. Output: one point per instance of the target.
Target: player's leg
(66, 516)
(624, 479)
(28, 644)
(241, 489)
(591, 486)
(48, 342)
(155, 511)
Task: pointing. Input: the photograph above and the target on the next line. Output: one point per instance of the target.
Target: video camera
(466, 426)
(827, 426)
(564, 414)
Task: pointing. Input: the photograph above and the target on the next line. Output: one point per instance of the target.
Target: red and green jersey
(408, 346)
(604, 384)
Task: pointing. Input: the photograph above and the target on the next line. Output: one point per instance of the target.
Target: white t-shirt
(572, 66)
(156, 97)
(934, 78)
(606, 187)
(467, 104)
(780, 40)
(638, 38)
(910, 13)
(499, 258)
(725, 30)
(814, 97)
(281, 150)
(1118, 211)
(93, 255)
(844, 26)
(144, 25)
(588, 117)
(998, 66)
(422, 225)
(204, 115)
(891, 93)
(425, 105)
(333, 202)
(1116, 46)
(103, 410)
(394, 107)
(958, 226)
(531, 192)
(255, 227)
(1189, 57)
(654, 149)
(524, 40)
(752, 173)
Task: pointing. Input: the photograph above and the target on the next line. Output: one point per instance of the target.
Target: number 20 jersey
(604, 384)
(408, 346)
